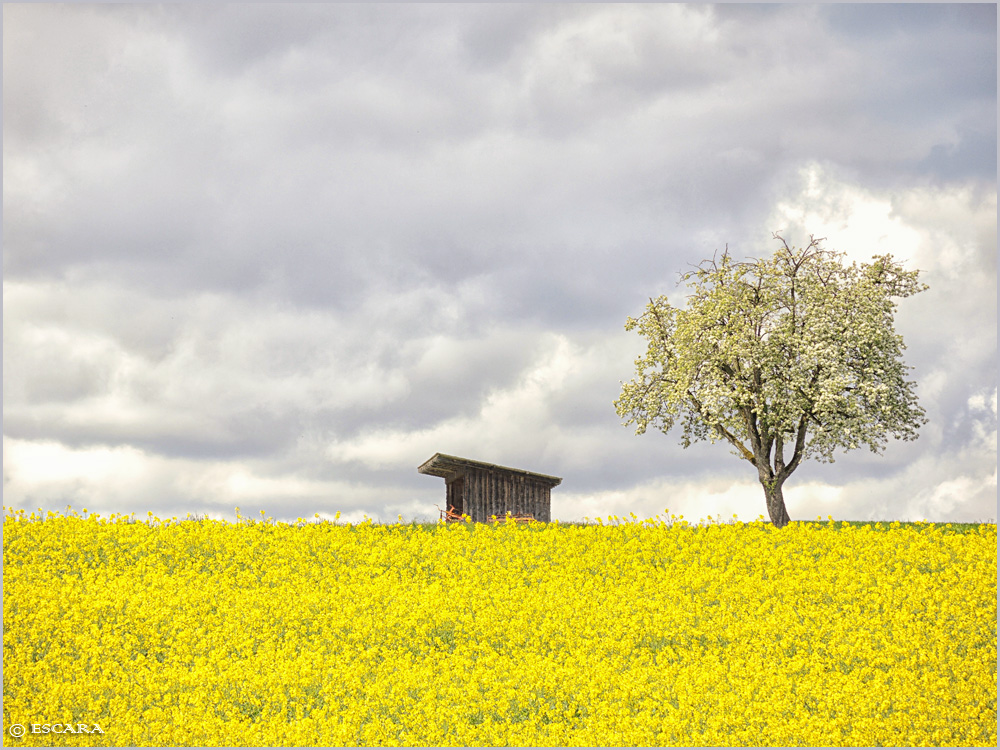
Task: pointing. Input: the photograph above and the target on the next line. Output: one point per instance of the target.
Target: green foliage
(795, 350)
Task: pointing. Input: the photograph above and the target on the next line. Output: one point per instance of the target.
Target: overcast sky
(277, 256)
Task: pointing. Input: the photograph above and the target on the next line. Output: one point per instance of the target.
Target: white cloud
(283, 255)
(694, 501)
(853, 220)
(512, 419)
(947, 231)
(128, 480)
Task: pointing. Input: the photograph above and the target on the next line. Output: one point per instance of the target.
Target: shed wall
(455, 495)
(490, 493)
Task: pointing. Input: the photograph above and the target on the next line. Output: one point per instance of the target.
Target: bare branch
(744, 451)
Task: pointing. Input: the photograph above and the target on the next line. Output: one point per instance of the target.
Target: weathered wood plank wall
(481, 490)
(489, 493)
(455, 495)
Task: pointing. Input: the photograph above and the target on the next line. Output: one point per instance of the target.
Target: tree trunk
(775, 503)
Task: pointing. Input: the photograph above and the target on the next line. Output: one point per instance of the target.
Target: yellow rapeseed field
(613, 633)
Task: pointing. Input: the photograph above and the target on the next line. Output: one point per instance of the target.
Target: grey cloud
(889, 20)
(297, 217)
(237, 235)
(973, 154)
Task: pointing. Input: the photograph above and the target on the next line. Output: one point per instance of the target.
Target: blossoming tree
(786, 358)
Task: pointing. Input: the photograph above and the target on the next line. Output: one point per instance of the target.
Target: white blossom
(786, 358)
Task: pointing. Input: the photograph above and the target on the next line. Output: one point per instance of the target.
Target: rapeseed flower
(619, 633)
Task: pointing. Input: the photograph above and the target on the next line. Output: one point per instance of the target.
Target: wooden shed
(481, 490)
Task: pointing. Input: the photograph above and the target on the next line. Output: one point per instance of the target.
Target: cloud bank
(276, 256)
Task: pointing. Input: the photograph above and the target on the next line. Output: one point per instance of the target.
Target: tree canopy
(786, 358)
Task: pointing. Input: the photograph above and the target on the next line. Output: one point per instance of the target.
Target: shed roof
(449, 467)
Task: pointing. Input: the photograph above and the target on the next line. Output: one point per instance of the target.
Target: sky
(275, 257)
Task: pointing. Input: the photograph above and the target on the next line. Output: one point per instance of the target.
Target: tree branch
(744, 452)
(800, 444)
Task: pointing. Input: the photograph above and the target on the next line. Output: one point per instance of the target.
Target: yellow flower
(617, 634)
